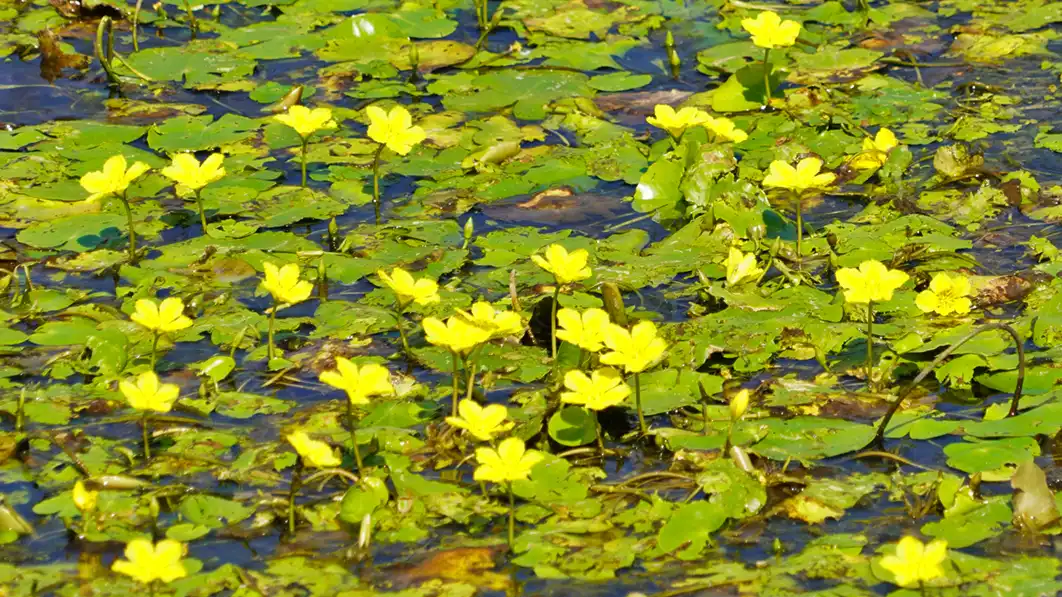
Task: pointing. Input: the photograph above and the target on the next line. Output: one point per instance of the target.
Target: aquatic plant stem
(136, 23)
(870, 346)
(456, 392)
(270, 349)
(470, 383)
(105, 59)
(303, 155)
(202, 214)
(376, 181)
(600, 438)
(399, 319)
(767, 76)
(638, 403)
(154, 347)
(512, 516)
(145, 425)
(193, 24)
(352, 427)
(1018, 382)
(799, 230)
(20, 411)
(132, 231)
(553, 324)
(296, 475)
(704, 417)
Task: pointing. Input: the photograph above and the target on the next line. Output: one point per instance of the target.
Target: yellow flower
(395, 130)
(946, 294)
(167, 316)
(741, 268)
(423, 291)
(587, 331)
(871, 282)
(636, 350)
(483, 423)
(148, 394)
(510, 462)
(457, 334)
(84, 498)
(313, 452)
(566, 267)
(114, 179)
(805, 176)
(769, 31)
(915, 562)
(359, 384)
(884, 141)
(284, 284)
(676, 123)
(147, 562)
(602, 389)
(724, 128)
(306, 121)
(497, 323)
(875, 151)
(187, 172)
(739, 404)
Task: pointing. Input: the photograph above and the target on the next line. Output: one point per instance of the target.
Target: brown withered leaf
(470, 565)
(54, 59)
(557, 206)
(70, 9)
(1004, 289)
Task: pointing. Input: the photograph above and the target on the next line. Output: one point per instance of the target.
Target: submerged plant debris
(551, 297)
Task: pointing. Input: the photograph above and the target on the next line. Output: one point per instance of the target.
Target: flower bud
(739, 404)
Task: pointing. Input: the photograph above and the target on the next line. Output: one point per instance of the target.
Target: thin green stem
(399, 319)
(456, 392)
(145, 425)
(193, 24)
(376, 181)
(136, 22)
(1019, 382)
(132, 231)
(553, 323)
(600, 438)
(304, 141)
(704, 417)
(353, 427)
(870, 346)
(154, 347)
(470, 384)
(20, 411)
(512, 517)
(638, 403)
(271, 350)
(767, 76)
(296, 475)
(799, 231)
(202, 214)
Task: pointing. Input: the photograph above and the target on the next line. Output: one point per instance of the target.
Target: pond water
(926, 188)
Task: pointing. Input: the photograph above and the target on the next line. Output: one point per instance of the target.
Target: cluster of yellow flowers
(873, 282)
(675, 123)
(394, 130)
